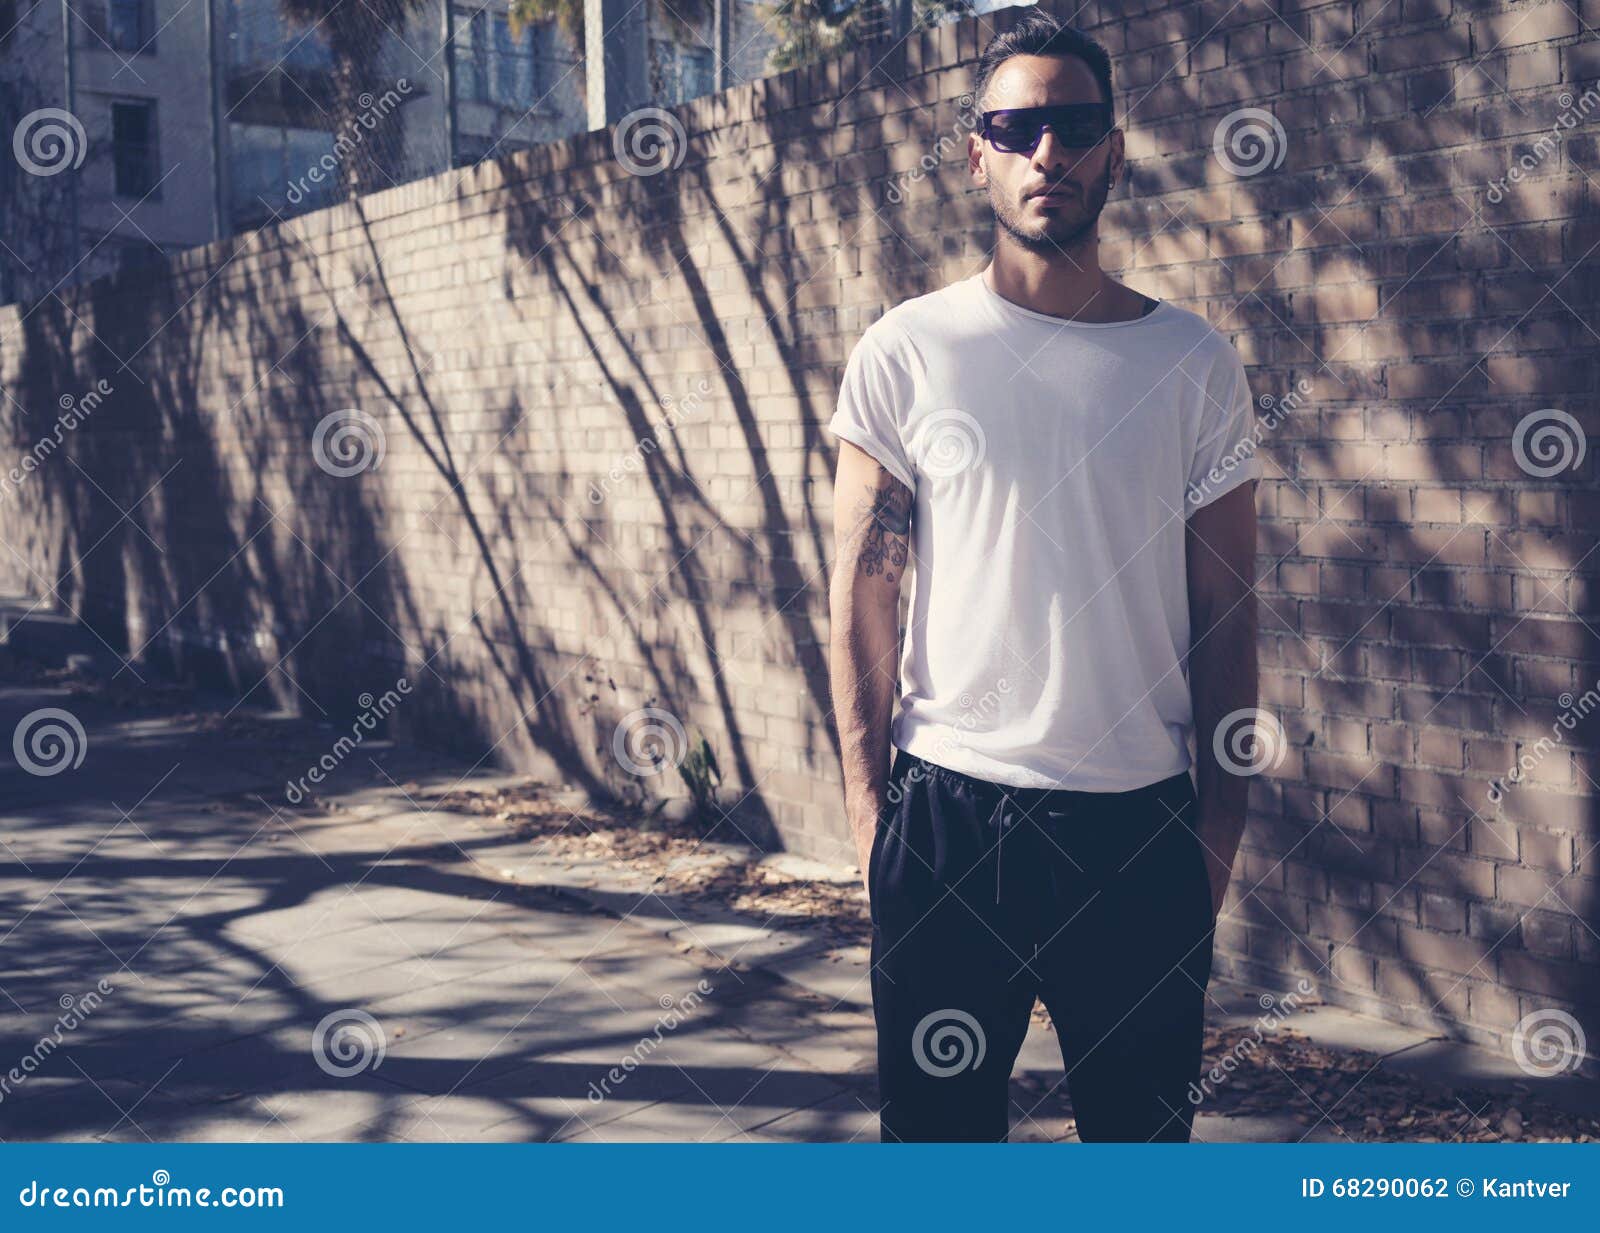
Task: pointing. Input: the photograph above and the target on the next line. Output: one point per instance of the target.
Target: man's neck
(1078, 292)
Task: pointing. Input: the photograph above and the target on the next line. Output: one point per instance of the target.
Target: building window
(476, 78)
(697, 72)
(135, 161)
(260, 37)
(128, 25)
(680, 73)
(491, 65)
(120, 24)
(269, 172)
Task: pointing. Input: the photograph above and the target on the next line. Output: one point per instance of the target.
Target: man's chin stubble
(1044, 242)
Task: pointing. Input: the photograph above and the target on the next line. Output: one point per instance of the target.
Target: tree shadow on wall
(1425, 602)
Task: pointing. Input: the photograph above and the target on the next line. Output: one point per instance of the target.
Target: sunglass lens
(1079, 133)
(1015, 134)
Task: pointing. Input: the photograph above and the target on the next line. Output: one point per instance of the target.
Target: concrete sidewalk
(188, 957)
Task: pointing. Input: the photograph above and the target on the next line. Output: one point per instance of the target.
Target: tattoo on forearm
(886, 514)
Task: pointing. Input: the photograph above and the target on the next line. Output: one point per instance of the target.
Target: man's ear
(975, 167)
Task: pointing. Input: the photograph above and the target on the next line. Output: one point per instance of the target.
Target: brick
(1446, 952)
(1549, 978)
(1405, 984)
(1417, 50)
(1446, 870)
(1525, 887)
(1547, 933)
(1492, 1006)
(1545, 850)
(1354, 969)
(1443, 913)
(1493, 839)
(1524, 26)
(1498, 924)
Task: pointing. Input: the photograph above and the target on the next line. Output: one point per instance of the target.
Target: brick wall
(543, 559)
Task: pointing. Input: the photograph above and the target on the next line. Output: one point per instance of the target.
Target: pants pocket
(1200, 871)
(882, 836)
(874, 859)
(1203, 877)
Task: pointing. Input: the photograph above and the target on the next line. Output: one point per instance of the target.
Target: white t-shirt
(1053, 464)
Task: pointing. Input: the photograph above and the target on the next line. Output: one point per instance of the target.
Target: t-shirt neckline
(988, 292)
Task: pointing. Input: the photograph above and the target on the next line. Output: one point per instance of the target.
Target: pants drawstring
(1000, 819)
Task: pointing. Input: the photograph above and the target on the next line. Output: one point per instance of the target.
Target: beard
(1058, 232)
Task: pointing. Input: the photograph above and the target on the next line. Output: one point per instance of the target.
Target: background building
(163, 124)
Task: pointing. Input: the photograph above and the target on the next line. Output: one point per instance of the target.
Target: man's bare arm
(1221, 549)
(872, 529)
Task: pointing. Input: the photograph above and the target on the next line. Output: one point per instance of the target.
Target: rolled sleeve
(1226, 454)
(874, 398)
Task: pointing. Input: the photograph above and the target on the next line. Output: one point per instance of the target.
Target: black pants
(984, 896)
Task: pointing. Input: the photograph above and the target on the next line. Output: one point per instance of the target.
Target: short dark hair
(1040, 34)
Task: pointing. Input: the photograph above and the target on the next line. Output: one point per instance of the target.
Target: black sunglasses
(1019, 130)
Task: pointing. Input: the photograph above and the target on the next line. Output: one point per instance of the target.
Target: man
(1066, 468)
